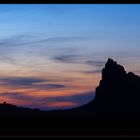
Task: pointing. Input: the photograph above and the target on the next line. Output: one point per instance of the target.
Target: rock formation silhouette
(118, 91)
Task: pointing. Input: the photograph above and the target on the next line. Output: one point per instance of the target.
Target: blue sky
(117, 23)
(69, 19)
(63, 47)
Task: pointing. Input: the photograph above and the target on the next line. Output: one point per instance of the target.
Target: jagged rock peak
(118, 90)
(113, 71)
(113, 64)
(110, 61)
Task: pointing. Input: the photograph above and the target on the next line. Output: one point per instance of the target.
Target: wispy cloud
(69, 58)
(95, 63)
(59, 39)
(91, 71)
(12, 47)
(26, 39)
(26, 44)
(78, 59)
(63, 104)
(32, 82)
(18, 96)
(20, 81)
(7, 59)
(55, 85)
(50, 86)
(17, 40)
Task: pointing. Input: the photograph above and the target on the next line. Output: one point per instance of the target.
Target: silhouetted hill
(13, 110)
(115, 110)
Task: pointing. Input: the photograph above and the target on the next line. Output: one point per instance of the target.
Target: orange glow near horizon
(14, 89)
(61, 104)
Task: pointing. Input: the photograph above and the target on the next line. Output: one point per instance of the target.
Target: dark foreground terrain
(114, 111)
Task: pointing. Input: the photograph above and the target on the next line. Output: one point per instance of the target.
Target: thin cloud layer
(96, 63)
(66, 39)
(78, 59)
(18, 96)
(30, 82)
(69, 58)
(17, 40)
(20, 81)
(91, 71)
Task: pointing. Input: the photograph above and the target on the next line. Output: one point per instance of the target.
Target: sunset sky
(51, 56)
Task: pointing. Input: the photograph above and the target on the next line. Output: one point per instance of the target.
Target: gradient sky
(51, 55)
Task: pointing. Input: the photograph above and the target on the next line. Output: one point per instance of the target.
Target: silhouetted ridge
(117, 90)
(10, 109)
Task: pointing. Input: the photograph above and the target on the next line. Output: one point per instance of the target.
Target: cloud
(26, 39)
(69, 58)
(26, 44)
(32, 82)
(50, 86)
(55, 86)
(63, 104)
(65, 39)
(11, 47)
(7, 59)
(15, 40)
(82, 98)
(91, 71)
(96, 63)
(88, 71)
(18, 96)
(20, 81)
(79, 59)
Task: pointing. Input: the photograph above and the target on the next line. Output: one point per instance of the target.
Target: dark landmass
(114, 111)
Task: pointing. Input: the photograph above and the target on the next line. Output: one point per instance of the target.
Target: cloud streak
(7, 59)
(69, 58)
(31, 82)
(77, 59)
(17, 40)
(18, 96)
(91, 71)
(50, 86)
(95, 63)
(26, 39)
(20, 81)
(60, 39)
